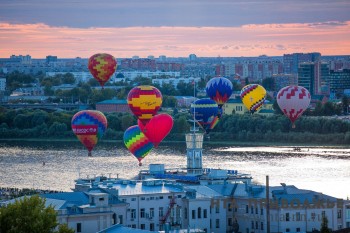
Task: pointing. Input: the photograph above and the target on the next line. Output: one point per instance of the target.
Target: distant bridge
(49, 107)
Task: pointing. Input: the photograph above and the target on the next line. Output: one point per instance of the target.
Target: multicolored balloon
(293, 101)
(144, 102)
(89, 126)
(137, 143)
(204, 112)
(102, 66)
(253, 97)
(219, 89)
(157, 128)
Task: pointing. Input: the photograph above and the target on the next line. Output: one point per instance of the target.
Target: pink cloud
(40, 40)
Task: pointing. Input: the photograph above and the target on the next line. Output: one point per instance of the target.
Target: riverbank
(178, 143)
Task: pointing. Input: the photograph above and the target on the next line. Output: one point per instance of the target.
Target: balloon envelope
(144, 102)
(89, 126)
(253, 97)
(102, 66)
(293, 101)
(157, 128)
(204, 111)
(137, 143)
(219, 89)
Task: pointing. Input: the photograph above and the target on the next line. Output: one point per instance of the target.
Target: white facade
(174, 81)
(79, 76)
(131, 75)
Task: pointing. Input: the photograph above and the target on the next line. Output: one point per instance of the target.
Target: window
(205, 213)
(252, 210)
(151, 226)
(287, 217)
(133, 199)
(256, 225)
(101, 199)
(229, 207)
(199, 213)
(262, 226)
(246, 209)
(151, 198)
(142, 213)
(151, 212)
(120, 219)
(297, 216)
(133, 226)
(323, 213)
(179, 196)
(78, 227)
(261, 211)
(142, 198)
(217, 209)
(287, 230)
(313, 216)
(143, 226)
(185, 214)
(161, 212)
(252, 224)
(133, 213)
(339, 213)
(169, 197)
(161, 197)
(193, 214)
(229, 221)
(298, 229)
(256, 210)
(217, 223)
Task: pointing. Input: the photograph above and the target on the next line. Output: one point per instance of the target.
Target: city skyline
(175, 29)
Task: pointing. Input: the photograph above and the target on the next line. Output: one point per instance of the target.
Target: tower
(194, 147)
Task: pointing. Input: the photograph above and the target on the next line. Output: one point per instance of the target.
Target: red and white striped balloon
(293, 101)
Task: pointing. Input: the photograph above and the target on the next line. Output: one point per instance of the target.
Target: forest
(41, 125)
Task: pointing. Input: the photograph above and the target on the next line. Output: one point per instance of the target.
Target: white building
(174, 81)
(79, 76)
(131, 75)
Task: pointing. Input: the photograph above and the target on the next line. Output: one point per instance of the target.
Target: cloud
(179, 13)
(40, 40)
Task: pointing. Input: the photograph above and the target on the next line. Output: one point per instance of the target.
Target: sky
(207, 28)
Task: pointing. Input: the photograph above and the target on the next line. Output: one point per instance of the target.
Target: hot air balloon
(102, 66)
(219, 89)
(137, 143)
(144, 102)
(293, 101)
(204, 112)
(253, 97)
(157, 128)
(89, 126)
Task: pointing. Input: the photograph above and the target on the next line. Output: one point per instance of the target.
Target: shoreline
(182, 143)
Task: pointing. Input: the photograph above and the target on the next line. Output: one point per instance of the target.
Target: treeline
(26, 123)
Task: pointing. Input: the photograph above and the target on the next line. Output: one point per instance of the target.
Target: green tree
(127, 121)
(268, 84)
(29, 214)
(324, 226)
(345, 104)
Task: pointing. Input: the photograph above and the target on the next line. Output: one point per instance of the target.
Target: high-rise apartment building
(339, 80)
(314, 76)
(291, 61)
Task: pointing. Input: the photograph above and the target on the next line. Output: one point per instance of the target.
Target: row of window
(151, 198)
(143, 213)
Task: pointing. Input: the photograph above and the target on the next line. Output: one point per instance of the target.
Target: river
(322, 169)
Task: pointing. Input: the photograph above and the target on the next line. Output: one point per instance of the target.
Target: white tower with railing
(194, 145)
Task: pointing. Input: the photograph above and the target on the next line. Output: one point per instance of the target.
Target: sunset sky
(227, 28)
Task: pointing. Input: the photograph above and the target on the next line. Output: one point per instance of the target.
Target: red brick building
(113, 106)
